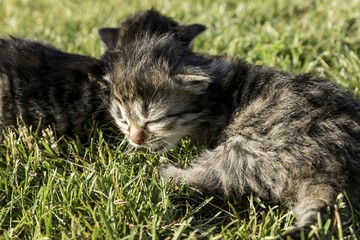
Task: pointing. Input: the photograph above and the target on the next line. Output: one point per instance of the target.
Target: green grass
(52, 187)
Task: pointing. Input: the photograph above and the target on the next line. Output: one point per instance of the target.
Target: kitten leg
(312, 199)
(198, 175)
(212, 172)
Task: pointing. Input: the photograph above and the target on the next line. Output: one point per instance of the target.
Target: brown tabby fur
(291, 139)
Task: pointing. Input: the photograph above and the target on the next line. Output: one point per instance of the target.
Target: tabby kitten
(43, 85)
(149, 22)
(290, 139)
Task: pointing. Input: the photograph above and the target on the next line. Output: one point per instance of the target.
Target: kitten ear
(189, 32)
(193, 82)
(109, 36)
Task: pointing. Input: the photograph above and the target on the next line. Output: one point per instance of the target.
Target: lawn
(55, 187)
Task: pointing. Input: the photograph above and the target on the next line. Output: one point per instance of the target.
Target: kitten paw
(170, 172)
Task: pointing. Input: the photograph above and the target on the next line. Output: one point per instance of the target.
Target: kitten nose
(137, 135)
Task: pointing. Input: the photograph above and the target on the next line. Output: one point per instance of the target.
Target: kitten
(290, 139)
(44, 85)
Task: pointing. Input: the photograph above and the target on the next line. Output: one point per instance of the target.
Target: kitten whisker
(167, 154)
(172, 145)
(128, 149)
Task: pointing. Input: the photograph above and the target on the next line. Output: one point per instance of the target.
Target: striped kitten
(290, 139)
(44, 85)
(150, 23)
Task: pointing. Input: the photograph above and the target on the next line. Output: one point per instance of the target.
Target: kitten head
(150, 21)
(158, 90)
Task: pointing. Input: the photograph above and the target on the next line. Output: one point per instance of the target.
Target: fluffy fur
(43, 85)
(150, 21)
(290, 139)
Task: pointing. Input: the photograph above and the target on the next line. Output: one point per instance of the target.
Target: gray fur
(45, 86)
(290, 139)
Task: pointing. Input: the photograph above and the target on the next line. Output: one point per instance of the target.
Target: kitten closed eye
(170, 116)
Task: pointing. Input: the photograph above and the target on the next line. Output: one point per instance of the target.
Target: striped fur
(45, 86)
(291, 139)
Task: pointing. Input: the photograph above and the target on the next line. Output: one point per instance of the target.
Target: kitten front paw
(171, 172)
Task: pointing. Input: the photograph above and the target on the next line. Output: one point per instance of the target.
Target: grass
(53, 187)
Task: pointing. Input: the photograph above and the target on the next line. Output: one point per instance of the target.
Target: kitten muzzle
(137, 135)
